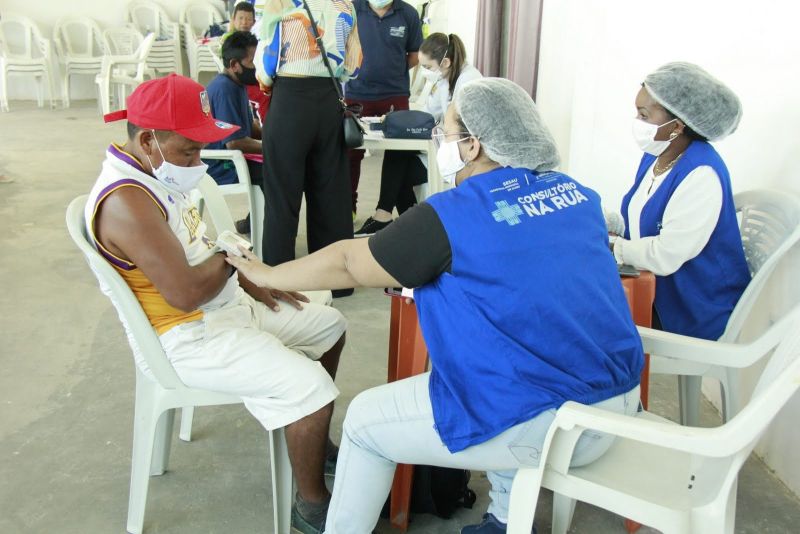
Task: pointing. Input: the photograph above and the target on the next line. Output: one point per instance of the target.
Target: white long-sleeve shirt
(690, 218)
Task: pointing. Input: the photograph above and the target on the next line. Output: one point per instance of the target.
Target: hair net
(505, 120)
(705, 104)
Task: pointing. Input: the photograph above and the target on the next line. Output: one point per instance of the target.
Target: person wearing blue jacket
(678, 218)
(519, 302)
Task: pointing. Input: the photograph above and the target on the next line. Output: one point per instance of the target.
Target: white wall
(595, 54)
(456, 16)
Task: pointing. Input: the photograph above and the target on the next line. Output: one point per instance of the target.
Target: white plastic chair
(122, 67)
(195, 19)
(24, 52)
(165, 55)
(157, 398)
(421, 88)
(770, 228)
(672, 478)
(254, 194)
(79, 44)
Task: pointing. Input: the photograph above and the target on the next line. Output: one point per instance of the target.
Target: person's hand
(251, 267)
(272, 296)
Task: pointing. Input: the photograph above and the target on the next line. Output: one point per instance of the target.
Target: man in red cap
(215, 328)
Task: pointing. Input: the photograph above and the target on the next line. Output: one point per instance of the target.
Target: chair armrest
(670, 435)
(236, 156)
(734, 355)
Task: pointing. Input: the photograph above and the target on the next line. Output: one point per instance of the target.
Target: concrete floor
(66, 376)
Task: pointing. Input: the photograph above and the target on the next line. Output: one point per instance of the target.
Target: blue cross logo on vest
(509, 214)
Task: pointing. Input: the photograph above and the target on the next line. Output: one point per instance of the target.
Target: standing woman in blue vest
(679, 217)
(519, 302)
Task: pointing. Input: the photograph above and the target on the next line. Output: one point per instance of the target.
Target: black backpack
(439, 491)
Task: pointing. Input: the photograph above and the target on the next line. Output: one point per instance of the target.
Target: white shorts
(267, 358)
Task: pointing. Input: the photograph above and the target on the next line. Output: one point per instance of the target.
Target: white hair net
(505, 120)
(702, 102)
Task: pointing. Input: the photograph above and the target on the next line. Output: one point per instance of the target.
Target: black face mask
(247, 76)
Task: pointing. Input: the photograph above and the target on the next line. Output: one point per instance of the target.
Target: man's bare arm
(247, 145)
(131, 226)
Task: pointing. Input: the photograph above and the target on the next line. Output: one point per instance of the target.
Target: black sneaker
(371, 226)
(243, 225)
(339, 293)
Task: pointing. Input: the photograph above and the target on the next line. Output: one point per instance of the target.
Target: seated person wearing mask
(443, 61)
(678, 218)
(519, 302)
(227, 95)
(243, 20)
(217, 333)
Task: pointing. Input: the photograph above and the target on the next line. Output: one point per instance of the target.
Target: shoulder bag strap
(324, 55)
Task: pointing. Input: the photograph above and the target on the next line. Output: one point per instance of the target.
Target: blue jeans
(393, 424)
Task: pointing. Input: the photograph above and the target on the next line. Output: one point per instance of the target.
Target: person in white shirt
(443, 61)
(678, 219)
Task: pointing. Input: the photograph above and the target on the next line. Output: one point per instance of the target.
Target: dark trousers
(401, 171)
(304, 152)
(372, 108)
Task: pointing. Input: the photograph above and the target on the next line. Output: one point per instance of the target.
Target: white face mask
(431, 75)
(449, 161)
(378, 4)
(644, 134)
(182, 179)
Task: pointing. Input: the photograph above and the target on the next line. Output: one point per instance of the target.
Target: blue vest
(532, 313)
(697, 299)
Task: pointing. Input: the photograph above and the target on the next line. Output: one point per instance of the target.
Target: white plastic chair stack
(255, 196)
(160, 392)
(79, 44)
(679, 480)
(24, 52)
(124, 66)
(165, 55)
(770, 228)
(195, 19)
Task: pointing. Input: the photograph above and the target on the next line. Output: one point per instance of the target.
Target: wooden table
(408, 356)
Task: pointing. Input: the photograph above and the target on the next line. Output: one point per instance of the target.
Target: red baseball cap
(176, 104)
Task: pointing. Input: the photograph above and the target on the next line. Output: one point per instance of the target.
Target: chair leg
(162, 443)
(187, 414)
(3, 91)
(281, 481)
(689, 389)
(729, 391)
(563, 509)
(523, 500)
(146, 418)
(39, 91)
(66, 90)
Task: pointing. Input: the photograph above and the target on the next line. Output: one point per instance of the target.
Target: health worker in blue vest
(679, 220)
(519, 302)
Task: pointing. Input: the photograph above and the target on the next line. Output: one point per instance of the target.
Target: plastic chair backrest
(78, 37)
(140, 332)
(20, 38)
(770, 228)
(150, 17)
(199, 16)
(144, 49)
(778, 382)
(124, 41)
(216, 205)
